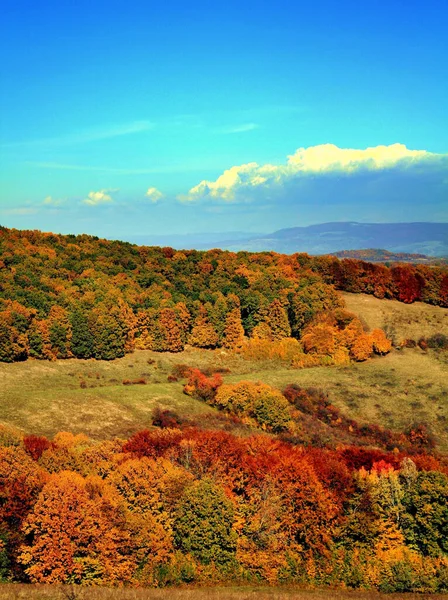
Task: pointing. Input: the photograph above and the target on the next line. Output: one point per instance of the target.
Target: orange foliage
(362, 348)
(70, 540)
(381, 345)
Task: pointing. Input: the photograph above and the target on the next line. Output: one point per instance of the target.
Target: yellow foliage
(286, 350)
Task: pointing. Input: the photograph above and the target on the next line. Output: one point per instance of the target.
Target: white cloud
(94, 134)
(153, 195)
(239, 182)
(21, 210)
(100, 197)
(237, 128)
(50, 201)
(328, 157)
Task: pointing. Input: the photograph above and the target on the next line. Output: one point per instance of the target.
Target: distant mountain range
(377, 255)
(429, 239)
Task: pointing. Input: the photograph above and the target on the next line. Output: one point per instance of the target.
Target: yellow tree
(203, 334)
(233, 332)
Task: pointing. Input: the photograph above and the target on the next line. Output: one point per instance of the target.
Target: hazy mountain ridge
(379, 255)
(429, 239)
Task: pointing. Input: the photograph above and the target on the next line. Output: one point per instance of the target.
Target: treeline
(79, 296)
(173, 506)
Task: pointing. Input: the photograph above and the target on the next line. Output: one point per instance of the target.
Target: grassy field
(403, 321)
(88, 396)
(31, 592)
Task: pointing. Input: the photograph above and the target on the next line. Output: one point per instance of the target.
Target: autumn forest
(260, 497)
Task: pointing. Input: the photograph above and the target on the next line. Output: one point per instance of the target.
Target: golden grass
(34, 592)
(404, 387)
(43, 398)
(406, 321)
(394, 391)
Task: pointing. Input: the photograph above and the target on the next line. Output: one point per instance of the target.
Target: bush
(202, 387)
(439, 341)
(423, 344)
(408, 343)
(165, 418)
(36, 445)
(152, 443)
(181, 371)
(259, 401)
(271, 410)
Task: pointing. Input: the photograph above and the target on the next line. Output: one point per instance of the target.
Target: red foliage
(35, 445)
(202, 387)
(355, 458)
(153, 443)
(420, 437)
(165, 419)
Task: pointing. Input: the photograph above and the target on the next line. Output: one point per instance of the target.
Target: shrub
(422, 343)
(408, 343)
(202, 387)
(165, 418)
(362, 348)
(381, 345)
(181, 371)
(438, 341)
(152, 443)
(36, 445)
(259, 401)
(271, 410)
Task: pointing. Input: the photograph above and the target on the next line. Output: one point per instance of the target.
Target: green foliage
(108, 336)
(425, 524)
(271, 410)
(5, 563)
(82, 342)
(259, 401)
(203, 524)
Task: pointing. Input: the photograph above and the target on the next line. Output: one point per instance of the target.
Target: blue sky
(102, 101)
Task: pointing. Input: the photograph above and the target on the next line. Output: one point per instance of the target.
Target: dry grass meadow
(31, 592)
(403, 321)
(407, 386)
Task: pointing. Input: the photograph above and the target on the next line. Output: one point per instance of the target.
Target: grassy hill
(88, 396)
(401, 321)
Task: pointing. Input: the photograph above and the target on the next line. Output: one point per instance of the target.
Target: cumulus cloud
(243, 182)
(153, 195)
(97, 198)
